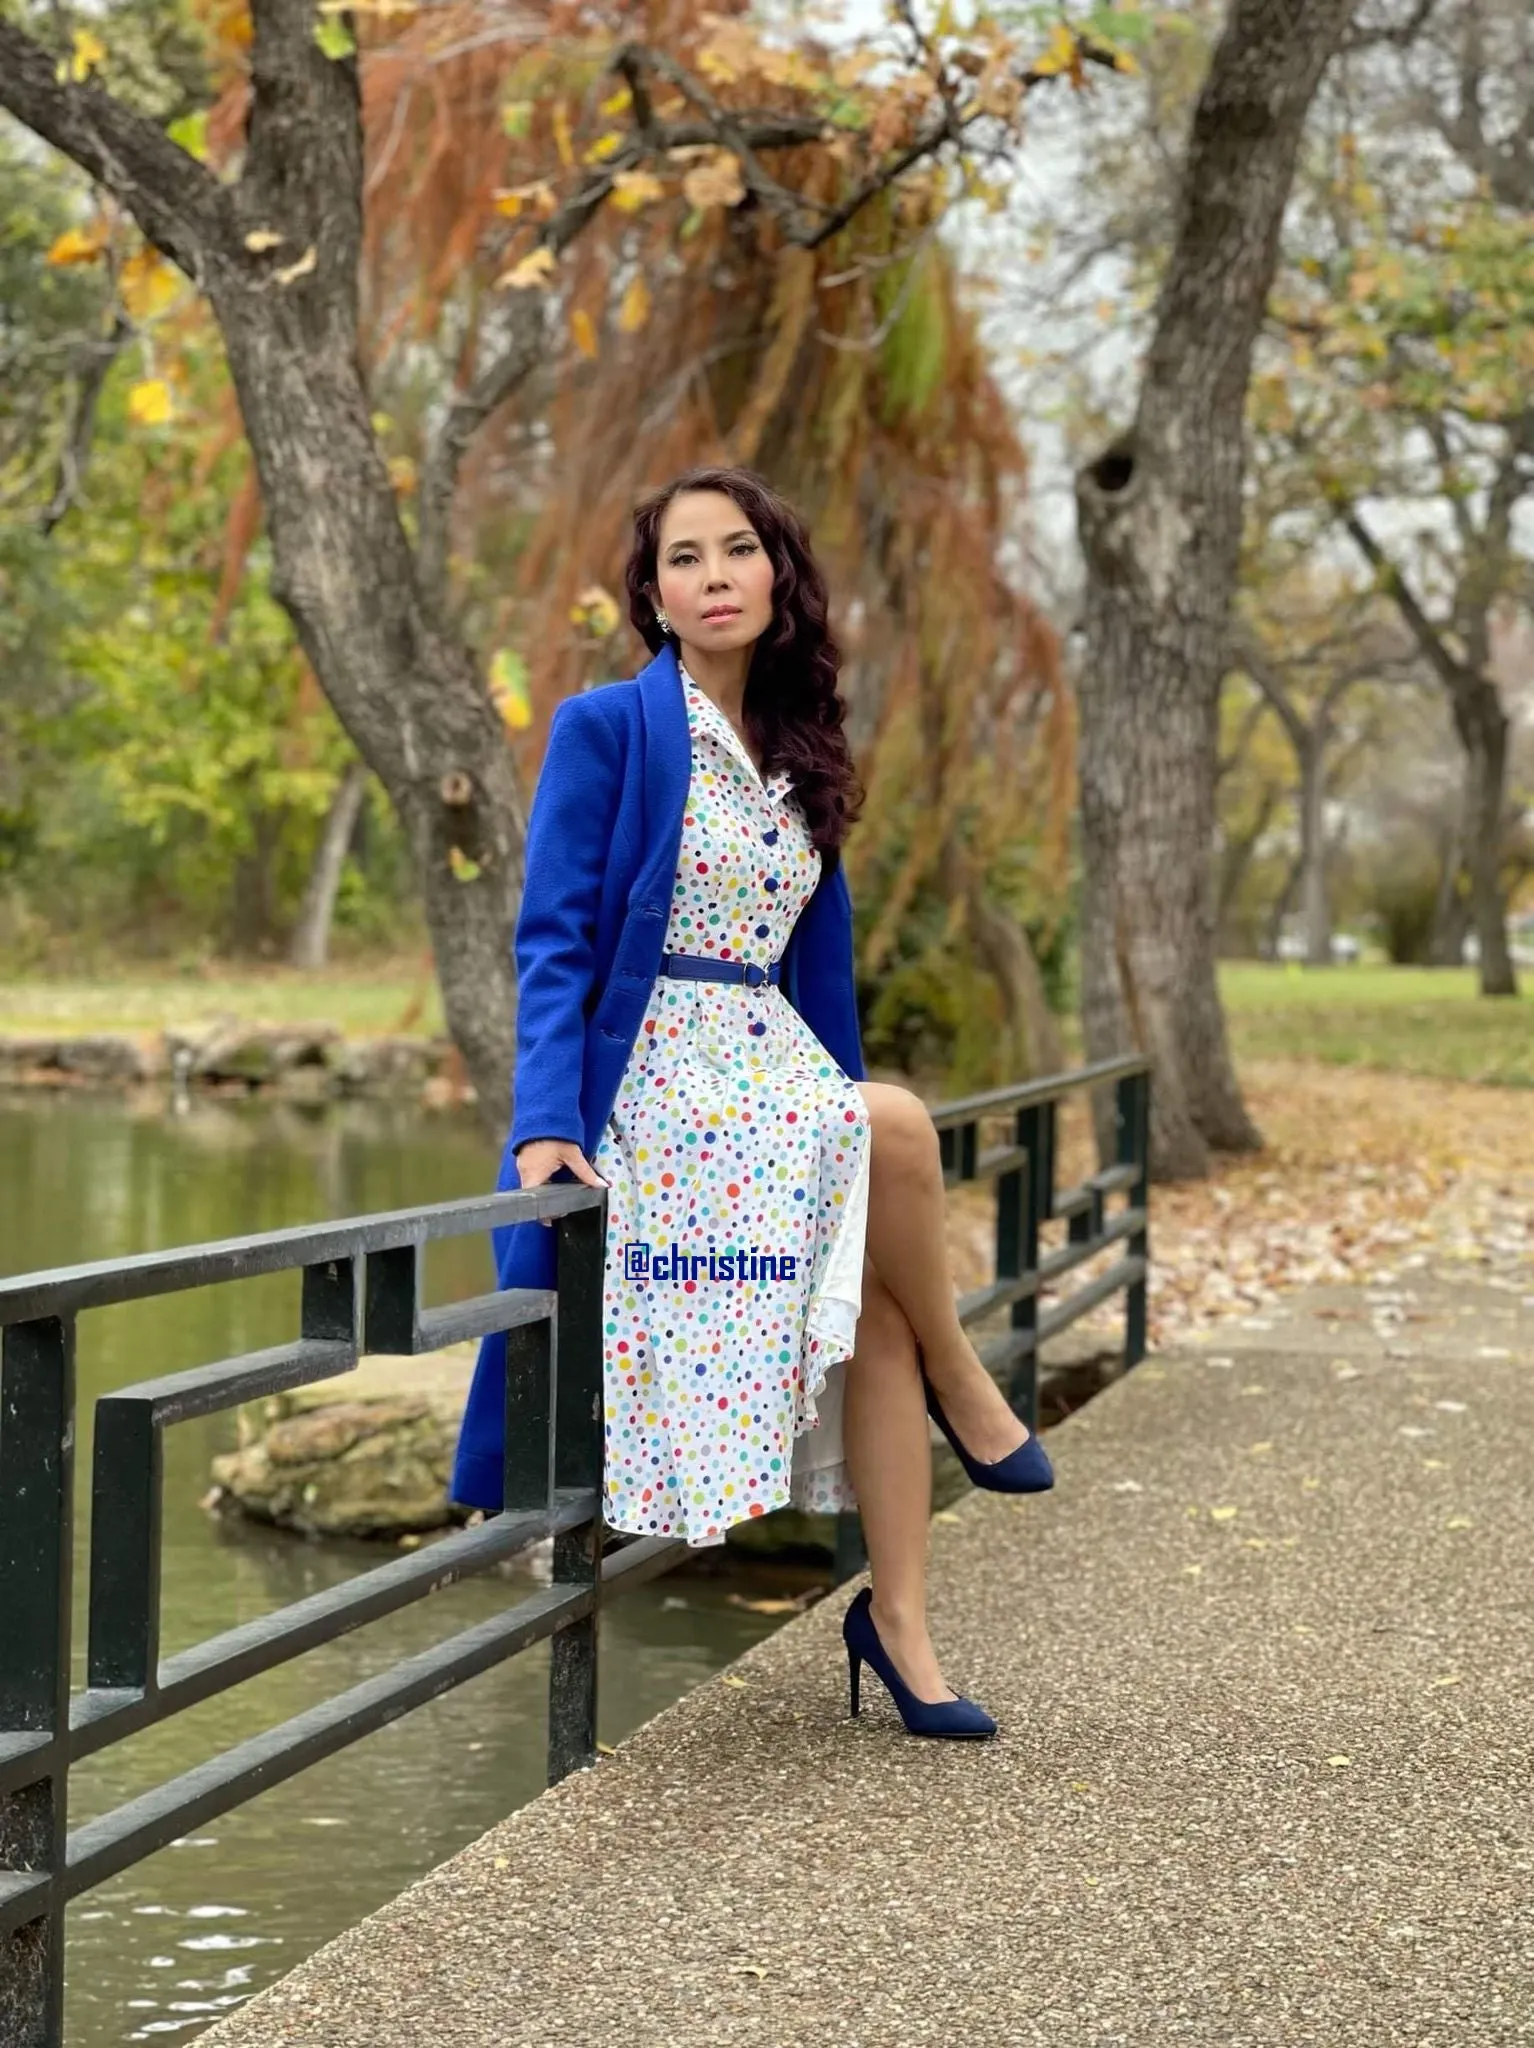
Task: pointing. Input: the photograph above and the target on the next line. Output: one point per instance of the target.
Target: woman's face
(714, 574)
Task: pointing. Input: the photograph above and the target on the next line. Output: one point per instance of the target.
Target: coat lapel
(667, 775)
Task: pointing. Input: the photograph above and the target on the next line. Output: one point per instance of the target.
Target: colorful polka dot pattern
(733, 1131)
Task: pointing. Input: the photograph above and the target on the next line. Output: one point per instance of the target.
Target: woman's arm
(569, 838)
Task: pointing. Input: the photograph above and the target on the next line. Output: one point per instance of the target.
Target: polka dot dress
(737, 1160)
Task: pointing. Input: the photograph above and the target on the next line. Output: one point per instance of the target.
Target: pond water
(162, 1950)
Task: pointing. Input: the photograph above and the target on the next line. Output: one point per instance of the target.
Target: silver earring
(662, 621)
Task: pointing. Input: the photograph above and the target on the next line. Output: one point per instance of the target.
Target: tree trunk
(277, 256)
(1446, 940)
(1236, 859)
(1031, 1041)
(1160, 521)
(1483, 729)
(310, 947)
(1035, 1044)
(1316, 910)
(1283, 903)
(253, 888)
(405, 688)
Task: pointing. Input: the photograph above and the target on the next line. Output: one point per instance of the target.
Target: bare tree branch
(805, 221)
(1399, 591)
(1396, 34)
(181, 206)
(99, 358)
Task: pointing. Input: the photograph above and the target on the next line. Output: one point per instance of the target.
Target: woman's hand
(541, 1158)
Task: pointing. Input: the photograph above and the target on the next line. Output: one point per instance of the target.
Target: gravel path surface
(1263, 1667)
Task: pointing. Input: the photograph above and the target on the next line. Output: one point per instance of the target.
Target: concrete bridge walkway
(1264, 1668)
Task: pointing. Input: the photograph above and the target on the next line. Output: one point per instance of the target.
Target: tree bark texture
(402, 682)
(1160, 520)
(310, 947)
(1482, 726)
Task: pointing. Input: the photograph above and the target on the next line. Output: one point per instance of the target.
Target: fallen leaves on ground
(1358, 1169)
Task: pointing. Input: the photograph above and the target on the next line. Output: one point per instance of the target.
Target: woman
(688, 1037)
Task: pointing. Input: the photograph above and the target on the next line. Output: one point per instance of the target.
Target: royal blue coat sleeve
(569, 833)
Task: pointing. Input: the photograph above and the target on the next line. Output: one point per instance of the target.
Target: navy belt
(693, 967)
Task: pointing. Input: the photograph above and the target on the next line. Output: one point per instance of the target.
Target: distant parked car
(1345, 948)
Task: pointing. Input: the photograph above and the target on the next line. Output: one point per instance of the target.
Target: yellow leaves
(597, 610)
(731, 51)
(1224, 1514)
(87, 51)
(293, 271)
(1459, 1522)
(508, 688)
(583, 333)
(715, 182)
(402, 474)
(1339, 1763)
(635, 309)
(634, 189)
(150, 403)
(604, 147)
(729, 1678)
(618, 102)
(1063, 54)
(533, 272)
(191, 134)
(147, 284)
(513, 200)
(259, 240)
(79, 245)
(463, 869)
(562, 141)
(334, 39)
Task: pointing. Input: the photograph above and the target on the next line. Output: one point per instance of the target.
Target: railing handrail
(69, 1290)
(1034, 1094)
(363, 1283)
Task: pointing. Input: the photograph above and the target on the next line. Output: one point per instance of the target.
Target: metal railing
(1022, 1168)
(362, 1292)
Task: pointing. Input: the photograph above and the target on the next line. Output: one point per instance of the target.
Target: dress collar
(774, 784)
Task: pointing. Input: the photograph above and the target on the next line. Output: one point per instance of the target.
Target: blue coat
(603, 840)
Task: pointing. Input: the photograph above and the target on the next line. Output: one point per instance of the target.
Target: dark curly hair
(792, 707)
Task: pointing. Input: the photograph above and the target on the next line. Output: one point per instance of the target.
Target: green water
(159, 1952)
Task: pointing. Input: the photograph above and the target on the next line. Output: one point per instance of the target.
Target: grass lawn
(1405, 1020)
(366, 1001)
(1409, 1020)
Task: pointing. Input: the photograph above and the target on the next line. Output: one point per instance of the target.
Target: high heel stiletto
(1025, 1470)
(959, 1717)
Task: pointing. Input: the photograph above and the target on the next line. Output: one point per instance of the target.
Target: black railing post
(1133, 1105)
(578, 1446)
(1035, 1132)
(37, 1399)
(1017, 1253)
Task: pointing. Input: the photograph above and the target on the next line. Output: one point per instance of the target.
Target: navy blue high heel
(1025, 1470)
(921, 1717)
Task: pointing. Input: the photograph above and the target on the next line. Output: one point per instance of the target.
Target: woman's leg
(888, 1448)
(907, 1241)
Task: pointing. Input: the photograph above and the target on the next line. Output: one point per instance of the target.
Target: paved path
(1264, 1665)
